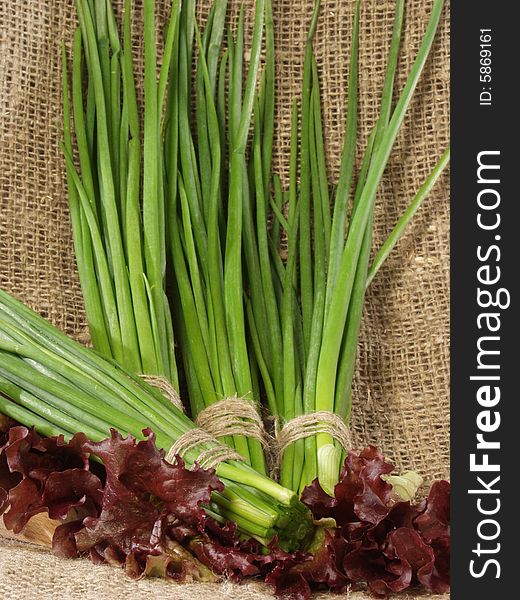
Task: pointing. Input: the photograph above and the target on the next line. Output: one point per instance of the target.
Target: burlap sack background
(402, 381)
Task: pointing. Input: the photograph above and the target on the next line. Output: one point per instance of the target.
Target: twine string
(233, 416)
(164, 386)
(308, 425)
(209, 458)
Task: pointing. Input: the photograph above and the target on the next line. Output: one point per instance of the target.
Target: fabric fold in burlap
(402, 377)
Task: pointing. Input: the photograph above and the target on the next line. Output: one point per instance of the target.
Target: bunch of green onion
(60, 387)
(251, 324)
(208, 195)
(117, 197)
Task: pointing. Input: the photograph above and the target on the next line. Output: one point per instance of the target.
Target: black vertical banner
(485, 229)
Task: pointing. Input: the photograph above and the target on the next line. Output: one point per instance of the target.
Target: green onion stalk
(117, 197)
(304, 319)
(60, 387)
(207, 183)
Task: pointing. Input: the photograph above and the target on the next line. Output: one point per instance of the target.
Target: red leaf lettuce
(146, 515)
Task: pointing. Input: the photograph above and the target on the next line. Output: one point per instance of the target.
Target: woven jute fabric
(49, 578)
(402, 379)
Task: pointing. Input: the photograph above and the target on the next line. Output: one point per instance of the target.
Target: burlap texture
(401, 394)
(46, 577)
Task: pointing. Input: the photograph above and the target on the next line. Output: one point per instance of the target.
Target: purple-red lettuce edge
(146, 515)
(387, 544)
